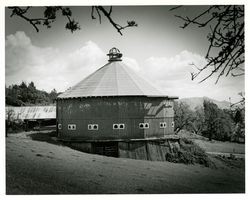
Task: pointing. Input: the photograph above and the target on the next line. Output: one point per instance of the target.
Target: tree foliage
(183, 116)
(51, 13)
(226, 51)
(218, 123)
(210, 121)
(24, 95)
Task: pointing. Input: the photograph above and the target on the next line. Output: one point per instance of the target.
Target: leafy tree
(218, 123)
(183, 116)
(23, 95)
(211, 115)
(238, 115)
(226, 50)
(50, 15)
(53, 94)
(197, 123)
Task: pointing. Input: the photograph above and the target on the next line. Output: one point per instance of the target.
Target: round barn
(112, 108)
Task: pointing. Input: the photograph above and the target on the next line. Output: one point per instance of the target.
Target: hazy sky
(158, 48)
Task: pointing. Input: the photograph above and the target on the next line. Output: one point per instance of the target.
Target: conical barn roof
(113, 79)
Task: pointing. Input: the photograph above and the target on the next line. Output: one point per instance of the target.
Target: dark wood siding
(106, 111)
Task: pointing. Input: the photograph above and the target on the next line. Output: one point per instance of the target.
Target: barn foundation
(153, 150)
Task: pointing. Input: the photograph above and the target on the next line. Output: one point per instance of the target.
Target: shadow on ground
(49, 137)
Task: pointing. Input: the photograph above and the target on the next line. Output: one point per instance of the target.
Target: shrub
(188, 153)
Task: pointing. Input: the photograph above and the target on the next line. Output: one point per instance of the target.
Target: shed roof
(31, 112)
(113, 79)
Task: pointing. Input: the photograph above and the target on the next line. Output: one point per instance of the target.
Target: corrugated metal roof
(113, 79)
(31, 112)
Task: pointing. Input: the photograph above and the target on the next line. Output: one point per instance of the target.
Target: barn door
(106, 148)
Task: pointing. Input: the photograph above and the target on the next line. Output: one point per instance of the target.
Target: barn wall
(153, 150)
(106, 111)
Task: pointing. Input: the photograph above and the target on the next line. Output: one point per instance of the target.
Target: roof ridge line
(101, 77)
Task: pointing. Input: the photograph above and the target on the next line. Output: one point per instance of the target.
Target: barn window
(93, 127)
(121, 126)
(172, 124)
(146, 125)
(163, 124)
(143, 125)
(59, 126)
(71, 127)
(115, 126)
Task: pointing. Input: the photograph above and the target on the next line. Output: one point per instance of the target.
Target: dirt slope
(34, 167)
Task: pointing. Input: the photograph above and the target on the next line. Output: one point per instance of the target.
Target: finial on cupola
(114, 55)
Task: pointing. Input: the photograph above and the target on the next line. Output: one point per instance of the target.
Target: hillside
(35, 167)
(194, 102)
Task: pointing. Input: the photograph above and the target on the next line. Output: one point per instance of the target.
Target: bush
(13, 127)
(188, 153)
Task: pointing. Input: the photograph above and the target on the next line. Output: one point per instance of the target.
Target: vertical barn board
(108, 110)
(141, 151)
(105, 148)
(154, 152)
(169, 129)
(137, 150)
(123, 150)
(154, 129)
(164, 148)
(136, 132)
(82, 146)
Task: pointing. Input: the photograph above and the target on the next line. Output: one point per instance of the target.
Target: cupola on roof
(113, 79)
(114, 55)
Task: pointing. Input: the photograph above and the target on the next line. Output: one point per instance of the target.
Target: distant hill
(194, 102)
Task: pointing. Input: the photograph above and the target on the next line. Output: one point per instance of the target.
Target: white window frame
(144, 125)
(95, 129)
(172, 124)
(59, 126)
(140, 125)
(122, 125)
(163, 124)
(118, 126)
(72, 127)
(91, 127)
(115, 125)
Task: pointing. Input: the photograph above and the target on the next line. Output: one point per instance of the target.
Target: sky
(158, 49)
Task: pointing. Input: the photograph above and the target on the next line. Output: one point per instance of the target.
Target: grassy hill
(36, 167)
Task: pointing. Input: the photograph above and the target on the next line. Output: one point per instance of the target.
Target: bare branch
(92, 12)
(99, 15)
(72, 25)
(107, 14)
(174, 8)
(226, 37)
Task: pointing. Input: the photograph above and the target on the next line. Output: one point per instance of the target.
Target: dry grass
(38, 167)
(222, 147)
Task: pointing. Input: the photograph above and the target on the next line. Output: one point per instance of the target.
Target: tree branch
(226, 37)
